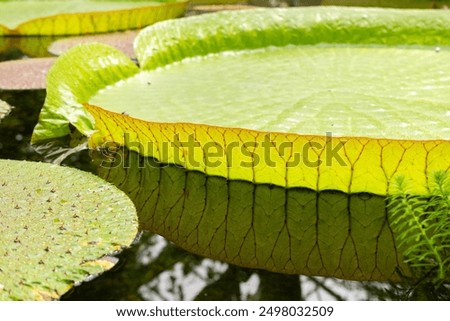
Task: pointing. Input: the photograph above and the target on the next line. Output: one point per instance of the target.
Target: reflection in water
(157, 270)
(16, 129)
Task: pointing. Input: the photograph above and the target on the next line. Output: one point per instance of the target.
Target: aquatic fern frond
(421, 224)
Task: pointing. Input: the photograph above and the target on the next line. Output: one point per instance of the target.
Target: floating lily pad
(83, 17)
(57, 226)
(285, 129)
(328, 72)
(120, 40)
(25, 73)
(5, 108)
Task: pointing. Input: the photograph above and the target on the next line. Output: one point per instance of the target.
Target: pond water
(155, 269)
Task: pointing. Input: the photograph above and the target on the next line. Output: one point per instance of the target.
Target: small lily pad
(25, 73)
(5, 108)
(57, 226)
(120, 40)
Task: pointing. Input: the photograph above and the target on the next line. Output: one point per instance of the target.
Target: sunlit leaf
(287, 129)
(53, 17)
(57, 225)
(353, 92)
(111, 67)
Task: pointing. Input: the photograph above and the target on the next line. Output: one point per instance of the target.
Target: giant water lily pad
(290, 128)
(53, 17)
(349, 72)
(57, 226)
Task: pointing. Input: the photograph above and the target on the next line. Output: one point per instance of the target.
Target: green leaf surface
(353, 91)
(66, 102)
(80, 17)
(304, 72)
(57, 226)
(242, 101)
(340, 72)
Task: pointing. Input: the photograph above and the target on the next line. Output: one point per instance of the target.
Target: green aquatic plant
(422, 226)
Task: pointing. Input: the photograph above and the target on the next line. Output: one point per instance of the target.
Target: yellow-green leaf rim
(57, 18)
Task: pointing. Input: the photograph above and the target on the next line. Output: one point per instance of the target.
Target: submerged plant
(422, 226)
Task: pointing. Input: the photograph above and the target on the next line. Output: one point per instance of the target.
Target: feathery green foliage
(422, 227)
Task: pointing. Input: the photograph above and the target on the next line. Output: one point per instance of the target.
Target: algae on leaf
(57, 226)
(53, 17)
